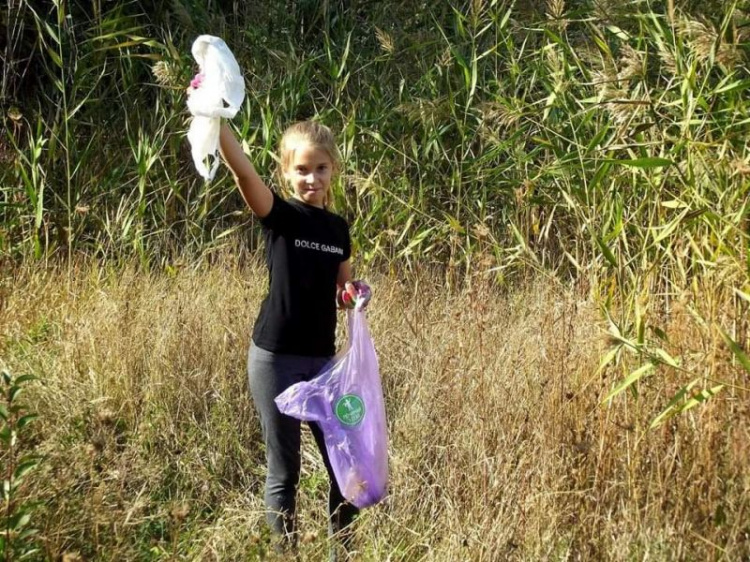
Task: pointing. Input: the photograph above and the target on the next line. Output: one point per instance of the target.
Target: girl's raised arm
(255, 193)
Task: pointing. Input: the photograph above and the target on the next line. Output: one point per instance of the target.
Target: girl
(307, 254)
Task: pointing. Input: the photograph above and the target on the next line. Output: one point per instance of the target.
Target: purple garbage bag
(346, 400)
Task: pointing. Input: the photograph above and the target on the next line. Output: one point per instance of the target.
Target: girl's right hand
(195, 83)
(197, 80)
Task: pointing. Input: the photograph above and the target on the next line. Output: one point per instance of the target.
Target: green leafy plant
(17, 535)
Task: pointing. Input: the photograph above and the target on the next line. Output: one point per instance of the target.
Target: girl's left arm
(345, 273)
(343, 280)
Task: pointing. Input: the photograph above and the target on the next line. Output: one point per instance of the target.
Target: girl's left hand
(356, 294)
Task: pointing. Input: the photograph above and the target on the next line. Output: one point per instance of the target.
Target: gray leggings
(269, 375)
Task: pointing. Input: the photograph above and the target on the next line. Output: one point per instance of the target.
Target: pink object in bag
(346, 400)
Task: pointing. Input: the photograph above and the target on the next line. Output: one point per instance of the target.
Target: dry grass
(499, 446)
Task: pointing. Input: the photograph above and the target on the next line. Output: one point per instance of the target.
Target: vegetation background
(550, 197)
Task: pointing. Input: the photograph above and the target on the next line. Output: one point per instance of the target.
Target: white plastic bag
(219, 94)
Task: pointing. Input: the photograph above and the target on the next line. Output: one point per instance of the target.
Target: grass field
(551, 199)
(500, 446)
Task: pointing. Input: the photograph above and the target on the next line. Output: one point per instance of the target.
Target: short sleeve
(281, 216)
(347, 240)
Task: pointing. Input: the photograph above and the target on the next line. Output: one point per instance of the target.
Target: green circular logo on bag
(350, 409)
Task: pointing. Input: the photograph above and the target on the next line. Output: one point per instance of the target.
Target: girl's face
(309, 172)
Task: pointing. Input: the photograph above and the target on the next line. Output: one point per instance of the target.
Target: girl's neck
(306, 204)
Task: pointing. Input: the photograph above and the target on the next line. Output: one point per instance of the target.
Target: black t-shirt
(304, 247)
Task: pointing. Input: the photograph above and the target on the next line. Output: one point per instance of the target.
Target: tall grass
(565, 138)
(499, 448)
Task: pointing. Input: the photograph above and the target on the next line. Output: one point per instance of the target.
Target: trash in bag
(346, 400)
(218, 91)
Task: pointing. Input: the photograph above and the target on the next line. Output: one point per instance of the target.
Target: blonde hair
(315, 134)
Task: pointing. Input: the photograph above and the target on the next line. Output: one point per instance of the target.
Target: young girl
(307, 254)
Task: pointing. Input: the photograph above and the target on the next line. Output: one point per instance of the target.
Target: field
(500, 447)
(551, 199)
